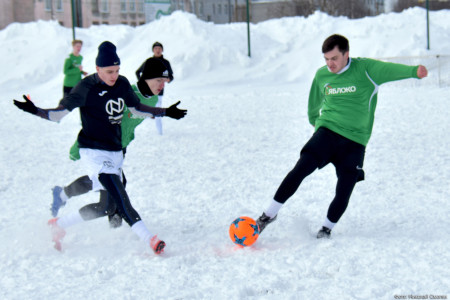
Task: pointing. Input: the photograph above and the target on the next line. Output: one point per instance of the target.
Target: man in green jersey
(341, 107)
(152, 81)
(73, 68)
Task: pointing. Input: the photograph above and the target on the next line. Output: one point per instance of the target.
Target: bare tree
(350, 8)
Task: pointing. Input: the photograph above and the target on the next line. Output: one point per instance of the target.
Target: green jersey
(130, 121)
(128, 125)
(345, 103)
(71, 71)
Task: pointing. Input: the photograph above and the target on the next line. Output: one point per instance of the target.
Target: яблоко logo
(341, 90)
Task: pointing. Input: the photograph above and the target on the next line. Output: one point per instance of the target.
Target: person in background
(158, 49)
(150, 84)
(101, 99)
(342, 102)
(73, 68)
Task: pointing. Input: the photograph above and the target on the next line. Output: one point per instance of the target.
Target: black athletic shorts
(329, 147)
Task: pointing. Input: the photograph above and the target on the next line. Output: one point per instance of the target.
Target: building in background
(21, 11)
(138, 12)
(91, 12)
(154, 9)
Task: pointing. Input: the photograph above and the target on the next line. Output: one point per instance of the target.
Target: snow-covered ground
(246, 124)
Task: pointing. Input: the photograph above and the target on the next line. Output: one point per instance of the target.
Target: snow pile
(245, 127)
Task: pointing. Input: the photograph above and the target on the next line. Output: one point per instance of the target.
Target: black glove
(174, 112)
(27, 106)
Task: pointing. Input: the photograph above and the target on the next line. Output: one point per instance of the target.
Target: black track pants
(119, 196)
(344, 187)
(304, 167)
(324, 147)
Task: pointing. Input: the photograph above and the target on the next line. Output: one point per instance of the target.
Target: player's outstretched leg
(115, 188)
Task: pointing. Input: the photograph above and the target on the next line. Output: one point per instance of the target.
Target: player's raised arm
(54, 114)
(148, 111)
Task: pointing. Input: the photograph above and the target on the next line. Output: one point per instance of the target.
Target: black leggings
(83, 185)
(324, 147)
(304, 167)
(105, 206)
(118, 196)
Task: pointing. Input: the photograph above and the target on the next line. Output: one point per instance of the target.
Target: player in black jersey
(101, 98)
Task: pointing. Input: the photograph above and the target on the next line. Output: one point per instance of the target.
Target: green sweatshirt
(128, 125)
(345, 103)
(71, 71)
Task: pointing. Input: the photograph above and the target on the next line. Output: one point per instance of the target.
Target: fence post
(73, 19)
(439, 70)
(428, 26)
(248, 29)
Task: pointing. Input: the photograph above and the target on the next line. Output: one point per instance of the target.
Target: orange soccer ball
(244, 231)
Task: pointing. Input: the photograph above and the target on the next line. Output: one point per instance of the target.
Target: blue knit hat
(107, 55)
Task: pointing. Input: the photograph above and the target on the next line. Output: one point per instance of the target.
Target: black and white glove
(174, 112)
(27, 106)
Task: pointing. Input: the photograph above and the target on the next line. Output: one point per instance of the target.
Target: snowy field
(246, 123)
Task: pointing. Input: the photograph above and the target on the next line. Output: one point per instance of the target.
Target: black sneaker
(324, 233)
(115, 220)
(263, 221)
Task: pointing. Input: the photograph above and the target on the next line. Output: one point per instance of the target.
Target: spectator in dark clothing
(157, 49)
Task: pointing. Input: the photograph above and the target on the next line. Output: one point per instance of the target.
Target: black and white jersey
(101, 110)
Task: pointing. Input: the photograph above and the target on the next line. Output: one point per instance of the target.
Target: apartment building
(16, 11)
(129, 12)
(91, 12)
(137, 12)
